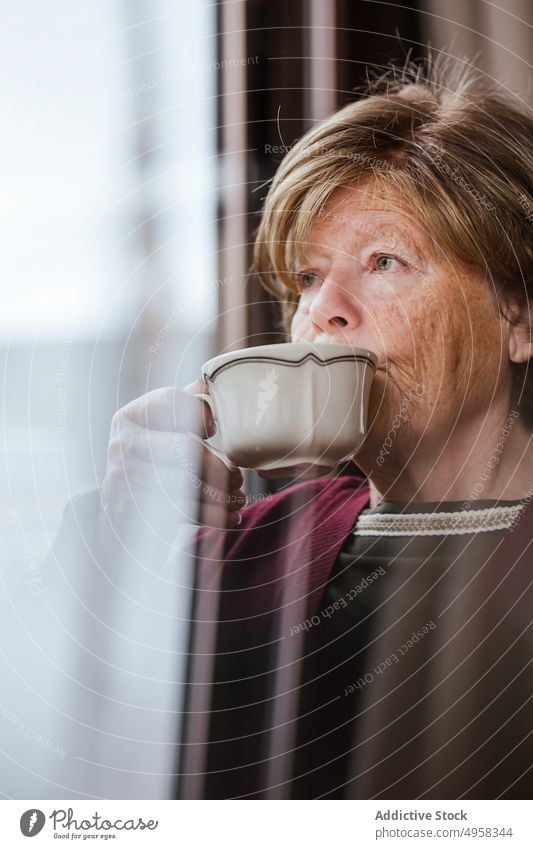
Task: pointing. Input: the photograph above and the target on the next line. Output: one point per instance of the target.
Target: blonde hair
(459, 149)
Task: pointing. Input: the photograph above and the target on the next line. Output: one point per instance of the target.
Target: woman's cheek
(300, 324)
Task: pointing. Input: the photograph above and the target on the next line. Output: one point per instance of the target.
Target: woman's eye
(385, 262)
(306, 280)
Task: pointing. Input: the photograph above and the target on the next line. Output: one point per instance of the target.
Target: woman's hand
(161, 477)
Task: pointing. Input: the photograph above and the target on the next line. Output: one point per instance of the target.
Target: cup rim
(291, 354)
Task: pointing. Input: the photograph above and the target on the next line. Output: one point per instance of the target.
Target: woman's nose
(335, 307)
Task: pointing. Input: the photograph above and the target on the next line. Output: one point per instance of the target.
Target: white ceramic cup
(280, 406)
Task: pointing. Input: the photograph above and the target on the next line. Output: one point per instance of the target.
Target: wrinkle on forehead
(388, 217)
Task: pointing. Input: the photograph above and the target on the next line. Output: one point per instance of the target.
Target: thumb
(197, 387)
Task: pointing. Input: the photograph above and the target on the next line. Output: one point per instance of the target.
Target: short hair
(456, 145)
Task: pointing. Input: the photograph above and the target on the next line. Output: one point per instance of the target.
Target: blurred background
(138, 141)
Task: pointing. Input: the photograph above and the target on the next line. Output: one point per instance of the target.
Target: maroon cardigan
(254, 585)
(285, 547)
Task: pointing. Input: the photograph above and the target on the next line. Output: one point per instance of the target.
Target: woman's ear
(520, 335)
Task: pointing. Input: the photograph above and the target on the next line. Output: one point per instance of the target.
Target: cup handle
(221, 456)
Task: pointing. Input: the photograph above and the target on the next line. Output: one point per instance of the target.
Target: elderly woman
(373, 627)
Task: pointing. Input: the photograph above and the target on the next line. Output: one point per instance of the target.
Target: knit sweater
(453, 719)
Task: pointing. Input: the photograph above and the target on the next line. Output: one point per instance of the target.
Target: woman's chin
(302, 471)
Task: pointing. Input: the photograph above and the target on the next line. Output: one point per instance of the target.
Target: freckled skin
(376, 280)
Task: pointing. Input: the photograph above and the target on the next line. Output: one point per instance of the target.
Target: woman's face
(373, 278)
